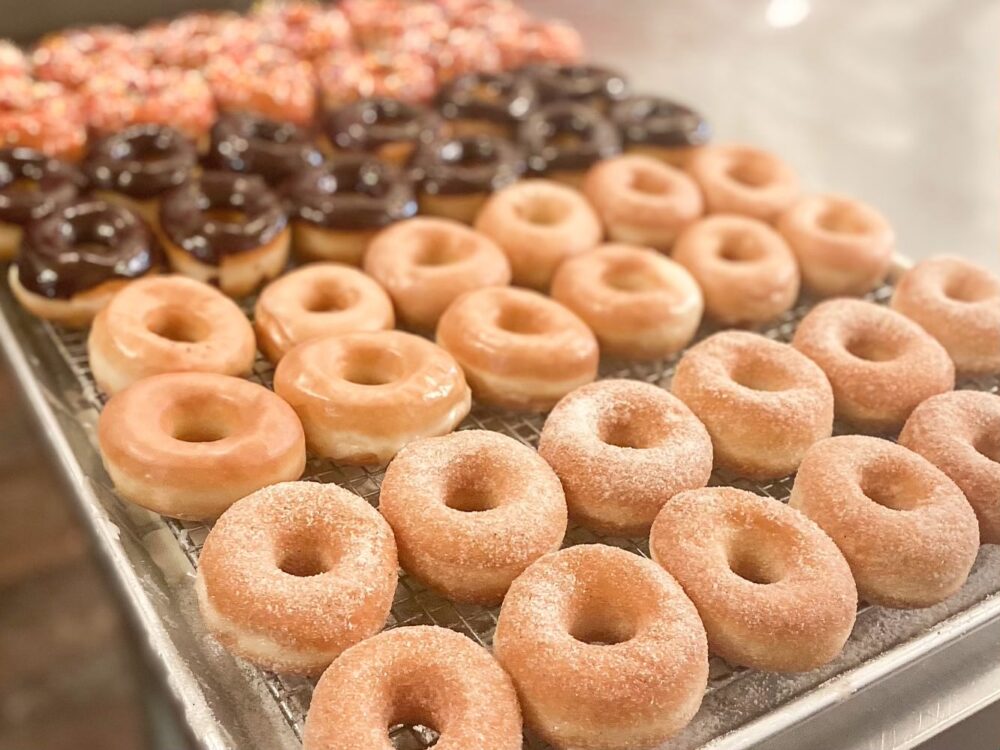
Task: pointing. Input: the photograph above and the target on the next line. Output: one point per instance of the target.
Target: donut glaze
(744, 180)
(563, 140)
(660, 128)
(486, 103)
(385, 128)
(273, 149)
(593, 85)
(32, 186)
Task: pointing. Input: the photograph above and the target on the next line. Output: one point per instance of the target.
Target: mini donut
(348, 75)
(308, 29)
(880, 363)
(73, 56)
(420, 674)
(269, 82)
(463, 50)
(486, 103)
(771, 587)
(563, 140)
(604, 648)
(747, 273)
(425, 264)
(549, 41)
(959, 432)
(293, 574)
(13, 61)
(389, 129)
(622, 448)
(32, 186)
(593, 85)
(362, 396)
(471, 511)
(641, 200)
(763, 402)
(42, 116)
(316, 300)
(195, 39)
(638, 303)
(519, 350)
(190, 444)
(539, 224)
(660, 128)
(843, 246)
(744, 180)
(273, 149)
(905, 528)
(958, 303)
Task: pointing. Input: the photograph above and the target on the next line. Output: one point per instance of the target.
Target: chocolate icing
(142, 161)
(254, 145)
(33, 185)
(498, 97)
(589, 137)
(474, 164)
(657, 121)
(369, 124)
(587, 84)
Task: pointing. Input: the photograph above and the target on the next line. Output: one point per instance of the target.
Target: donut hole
(304, 563)
(474, 485)
(739, 248)
(649, 182)
(327, 298)
(178, 324)
(988, 444)
(872, 348)
(413, 717)
(841, 219)
(969, 289)
(631, 430)
(597, 616)
(442, 249)
(753, 173)
(543, 210)
(225, 215)
(368, 365)
(891, 487)
(631, 277)
(751, 556)
(521, 318)
(767, 377)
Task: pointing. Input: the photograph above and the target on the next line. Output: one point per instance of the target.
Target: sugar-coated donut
(639, 304)
(471, 511)
(518, 349)
(622, 448)
(906, 529)
(604, 647)
(763, 402)
(745, 270)
(295, 573)
(190, 444)
(362, 396)
(315, 300)
(414, 675)
(958, 303)
(539, 224)
(959, 432)
(425, 263)
(880, 363)
(743, 180)
(771, 587)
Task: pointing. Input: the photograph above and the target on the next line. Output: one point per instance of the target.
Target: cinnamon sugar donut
(762, 401)
(190, 444)
(745, 270)
(414, 675)
(958, 303)
(604, 648)
(471, 511)
(905, 528)
(743, 180)
(295, 573)
(518, 349)
(959, 432)
(880, 364)
(622, 448)
(771, 587)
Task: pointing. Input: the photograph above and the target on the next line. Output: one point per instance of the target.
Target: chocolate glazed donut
(487, 103)
(563, 140)
(32, 186)
(586, 84)
(255, 145)
(386, 128)
(661, 128)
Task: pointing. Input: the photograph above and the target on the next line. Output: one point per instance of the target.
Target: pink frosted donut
(72, 57)
(744, 180)
(347, 75)
(306, 28)
(270, 82)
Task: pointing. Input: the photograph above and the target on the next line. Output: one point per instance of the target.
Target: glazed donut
(190, 444)
(880, 364)
(386, 128)
(762, 401)
(905, 528)
(958, 303)
(959, 432)
(32, 186)
(638, 303)
(604, 648)
(519, 350)
(622, 448)
(471, 511)
(72, 261)
(295, 573)
(425, 264)
(563, 140)
(362, 396)
(316, 300)
(414, 675)
(268, 82)
(660, 128)
(308, 29)
(744, 180)
(486, 103)
(772, 589)
(642, 201)
(539, 224)
(348, 75)
(43, 117)
(464, 50)
(591, 85)
(269, 148)
(746, 271)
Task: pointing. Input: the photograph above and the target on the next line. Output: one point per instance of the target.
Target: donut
(74, 56)
(519, 350)
(746, 272)
(880, 363)
(958, 303)
(293, 574)
(348, 75)
(471, 511)
(593, 85)
(642, 201)
(414, 675)
(386, 128)
(425, 264)
(660, 128)
(771, 587)
(539, 224)
(362, 396)
(269, 82)
(486, 103)
(13, 61)
(763, 402)
(638, 303)
(273, 149)
(32, 186)
(563, 140)
(225, 228)
(338, 208)
(190, 444)
(308, 29)
(622, 448)
(905, 528)
(465, 50)
(195, 39)
(743, 180)
(604, 648)
(72, 261)
(549, 41)
(959, 432)
(43, 117)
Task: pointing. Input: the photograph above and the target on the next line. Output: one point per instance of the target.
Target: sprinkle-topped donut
(42, 116)
(270, 82)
